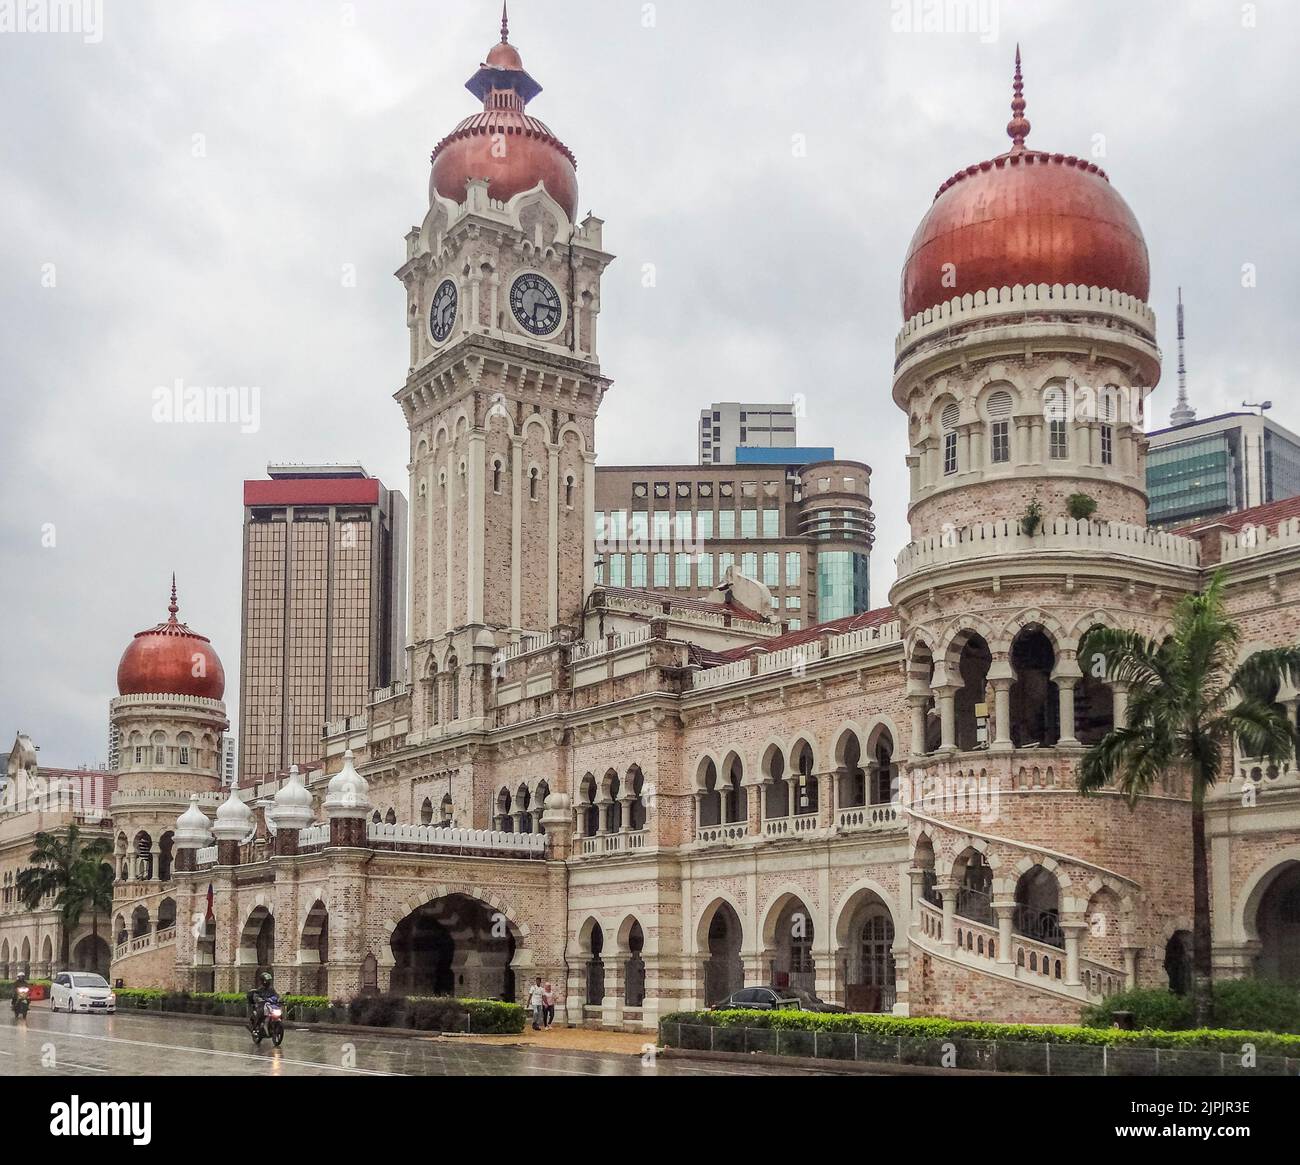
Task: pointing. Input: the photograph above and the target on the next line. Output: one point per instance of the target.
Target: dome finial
(173, 606)
(1018, 126)
(505, 24)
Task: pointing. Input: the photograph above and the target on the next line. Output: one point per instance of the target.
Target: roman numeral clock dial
(536, 304)
(442, 312)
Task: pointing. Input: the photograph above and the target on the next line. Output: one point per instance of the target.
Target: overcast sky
(184, 187)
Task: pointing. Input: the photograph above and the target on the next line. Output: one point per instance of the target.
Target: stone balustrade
(998, 302)
(447, 839)
(1005, 538)
(609, 843)
(730, 831)
(858, 818)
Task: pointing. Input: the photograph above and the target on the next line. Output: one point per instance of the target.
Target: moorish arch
(457, 939)
(313, 950)
(865, 932)
(719, 941)
(790, 931)
(1270, 915)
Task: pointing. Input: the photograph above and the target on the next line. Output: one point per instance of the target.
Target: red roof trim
(313, 491)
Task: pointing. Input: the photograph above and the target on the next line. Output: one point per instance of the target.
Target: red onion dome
(1024, 217)
(171, 660)
(510, 148)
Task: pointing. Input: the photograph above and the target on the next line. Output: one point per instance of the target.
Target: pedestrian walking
(548, 1001)
(537, 1003)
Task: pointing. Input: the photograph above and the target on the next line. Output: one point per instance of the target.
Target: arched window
(496, 476)
(446, 810)
(532, 484)
(426, 812)
(568, 491)
(998, 409)
(431, 693)
(184, 742)
(453, 688)
(158, 742)
(1056, 408)
(948, 421)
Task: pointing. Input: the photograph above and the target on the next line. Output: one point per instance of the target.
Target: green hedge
(437, 1013)
(424, 1013)
(1206, 1039)
(1237, 1004)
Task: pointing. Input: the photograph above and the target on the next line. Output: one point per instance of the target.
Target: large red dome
(511, 149)
(171, 660)
(1024, 217)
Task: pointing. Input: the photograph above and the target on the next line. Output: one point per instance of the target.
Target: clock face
(442, 312)
(536, 304)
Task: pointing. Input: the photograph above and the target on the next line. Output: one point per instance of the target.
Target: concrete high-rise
(726, 426)
(324, 606)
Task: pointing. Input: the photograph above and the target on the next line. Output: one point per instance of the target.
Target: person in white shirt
(537, 1003)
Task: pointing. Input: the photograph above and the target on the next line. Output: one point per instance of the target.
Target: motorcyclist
(20, 980)
(260, 996)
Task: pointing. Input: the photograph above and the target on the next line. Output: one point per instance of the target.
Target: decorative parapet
(357, 723)
(391, 692)
(207, 856)
(801, 655)
(590, 648)
(1000, 301)
(987, 539)
(1254, 540)
(446, 839)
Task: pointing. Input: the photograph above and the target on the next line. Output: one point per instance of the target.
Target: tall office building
(803, 530)
(229, 759)
(324, 606)
(1199, 469)
(727, 426)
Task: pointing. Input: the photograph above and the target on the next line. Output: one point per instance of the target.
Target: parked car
(775, 999)
(81, 991)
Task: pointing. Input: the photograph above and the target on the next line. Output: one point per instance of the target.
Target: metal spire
(173, 607)
(1182, 411)
(1018, 126)
(505, 23)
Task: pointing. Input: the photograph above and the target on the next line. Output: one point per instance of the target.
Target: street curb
(849, 1067)
(355, 1028)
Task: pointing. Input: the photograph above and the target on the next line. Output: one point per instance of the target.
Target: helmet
(265, 978)
(21, 977)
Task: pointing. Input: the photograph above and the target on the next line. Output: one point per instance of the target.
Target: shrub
(1257, 1004)
(1081, 506)
(1205, 1039)
(1157, 1008)
(1237, 1005)
(1032, 517)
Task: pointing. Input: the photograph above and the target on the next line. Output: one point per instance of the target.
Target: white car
(81, 991)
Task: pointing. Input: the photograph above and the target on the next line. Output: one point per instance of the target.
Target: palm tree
(95, 891)
(1189, 700)
(67, 867)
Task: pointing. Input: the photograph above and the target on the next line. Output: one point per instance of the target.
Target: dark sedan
(775, 999)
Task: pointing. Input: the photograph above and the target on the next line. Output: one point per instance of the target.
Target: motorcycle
(271, 1024)
(22, 1001)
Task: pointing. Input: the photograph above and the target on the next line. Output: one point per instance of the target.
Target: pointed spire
(505, 24)
(173, 607)
(1018, 126)
(1182, 411)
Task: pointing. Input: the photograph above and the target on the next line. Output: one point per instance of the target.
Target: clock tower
(503, 294)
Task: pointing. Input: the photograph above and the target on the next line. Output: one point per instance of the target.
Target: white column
(553, 536)
(449, 532)
(588, 522)
(474, 540)
(516, 530)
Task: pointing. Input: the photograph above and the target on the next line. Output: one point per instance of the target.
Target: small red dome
(513, 151)
(171, 660)
(1024, 217)
(503, 144)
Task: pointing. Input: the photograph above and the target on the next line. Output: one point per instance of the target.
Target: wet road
(134, 1045)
